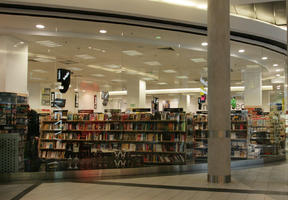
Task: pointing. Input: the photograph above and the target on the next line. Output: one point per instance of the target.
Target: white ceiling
(106, 51)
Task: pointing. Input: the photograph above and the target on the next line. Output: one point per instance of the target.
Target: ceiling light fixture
(204, 44)
(278, 70)
(40, 26)
(182, 77)
(132, 53)
(264, 58)
(85, 56)
(153, 63)
(162, 83)
(278, 75)
(275, 65)
(48, 43)
(98, 75)
(198, 60)
(158, 37)
(241, 51)
(169, 71)
(103, 31)
(147, 79)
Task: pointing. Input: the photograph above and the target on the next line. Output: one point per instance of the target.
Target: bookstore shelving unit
(13, 122)
(267, 135)
(159, 141)
(239, 136)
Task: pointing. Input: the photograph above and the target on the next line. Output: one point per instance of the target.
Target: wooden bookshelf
(159, 140)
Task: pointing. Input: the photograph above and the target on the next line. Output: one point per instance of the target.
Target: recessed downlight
(158, 37)
(162, 83)
(204, 44)
(275, 65)
(102, 31)
(278, 70)
(278, 75)
(264, 58)
(40, 26)
(241, 50)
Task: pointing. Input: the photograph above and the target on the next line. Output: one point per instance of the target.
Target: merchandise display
(13, 120)
(238, 136)
(157, 139)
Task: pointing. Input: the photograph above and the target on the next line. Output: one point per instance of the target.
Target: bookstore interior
(82, 95)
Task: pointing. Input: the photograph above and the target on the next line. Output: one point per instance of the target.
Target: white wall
(13, 65)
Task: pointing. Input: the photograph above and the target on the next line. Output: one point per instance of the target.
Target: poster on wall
(76, 100)
(95, 102)
(45, 96)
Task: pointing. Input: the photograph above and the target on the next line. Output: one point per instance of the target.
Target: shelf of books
(159, 140)
(239, 147)
(267, 135)
(13, 120)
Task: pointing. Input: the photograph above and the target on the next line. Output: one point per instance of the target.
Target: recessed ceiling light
(147, 79)
(76, 90)
(162, 83)
(264, 58)
(118, 80)
(113, 66)
(132, 53)
(83, 90)
(198, 60)
(275, 65)
(103, 31)
(153, 63)
(40, 26)
(241, 51)
(21, 42)
(97, 75)
(75, 69)
(182, 77)
(171, 71)
(158, 37)
(277, 74)
(85, 57)
(278, 70)
(48, 43)
(39, 71)
(89, 47)
(204, 44)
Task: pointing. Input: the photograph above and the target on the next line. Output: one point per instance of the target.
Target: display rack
(239, 136)
(13, 120)
(267, 135)
(159, 140)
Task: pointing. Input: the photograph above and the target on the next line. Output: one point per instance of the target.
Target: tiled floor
(269, 182)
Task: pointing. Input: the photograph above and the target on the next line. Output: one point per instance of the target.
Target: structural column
(136, 94)
(13, 65)
(252, 78)
(219, 170)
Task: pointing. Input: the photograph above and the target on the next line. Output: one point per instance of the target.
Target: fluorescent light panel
(132, 53)
(85, 56)
(153, 63)
(48, 43)
(171, 71)
(198, 60)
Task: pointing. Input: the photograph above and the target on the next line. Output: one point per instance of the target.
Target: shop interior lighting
(162, 83)
(275, 65)
(198, 60)
(278, 70)
(204, 44)
(98, 75)
(40, 26)
(39, 71)
(241, 51)
(153, 63)
(118, 80)
(147, 79)
(182, 77)
(76, 69)
(278, 75)
(48, 43)
(187, 90)
(169, 71)
(186, 3)
(112, 66)
(103, 31)
(264, 58)
(158, 37)
(132, 53)
(85, 57)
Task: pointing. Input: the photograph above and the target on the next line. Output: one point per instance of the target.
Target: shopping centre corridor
(262, 182)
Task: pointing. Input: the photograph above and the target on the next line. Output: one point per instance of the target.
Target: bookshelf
(158, 139)
(14, 119)
(239, 136)
(267, 135)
